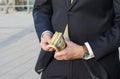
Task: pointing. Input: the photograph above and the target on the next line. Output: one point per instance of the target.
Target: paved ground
(19, 47)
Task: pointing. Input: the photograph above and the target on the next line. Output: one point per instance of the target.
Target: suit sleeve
(110, 40)
(42, 16)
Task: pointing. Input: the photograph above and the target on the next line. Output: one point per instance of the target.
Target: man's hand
(44, 44)
(72, 51)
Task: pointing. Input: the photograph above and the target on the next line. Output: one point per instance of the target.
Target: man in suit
(94, 32)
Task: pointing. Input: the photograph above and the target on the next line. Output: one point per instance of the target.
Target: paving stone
(19, 47)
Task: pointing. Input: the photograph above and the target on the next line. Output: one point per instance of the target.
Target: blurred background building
(8, 6)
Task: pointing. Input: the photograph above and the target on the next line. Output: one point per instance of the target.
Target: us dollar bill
(57, 42)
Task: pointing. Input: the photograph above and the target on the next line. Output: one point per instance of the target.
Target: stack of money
(57, 41)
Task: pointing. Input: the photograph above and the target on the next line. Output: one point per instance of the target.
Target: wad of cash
(57, 42)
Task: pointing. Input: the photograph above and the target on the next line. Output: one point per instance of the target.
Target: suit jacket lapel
(68, 4)
(73, 3)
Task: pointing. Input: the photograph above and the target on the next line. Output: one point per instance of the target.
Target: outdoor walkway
(19, 47)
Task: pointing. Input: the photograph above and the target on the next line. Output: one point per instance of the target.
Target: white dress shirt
(71, 1)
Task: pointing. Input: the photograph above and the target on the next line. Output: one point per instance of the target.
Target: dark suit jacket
(93, 21)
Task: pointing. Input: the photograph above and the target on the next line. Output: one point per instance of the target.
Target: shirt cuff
(47, 31)
(91, 54)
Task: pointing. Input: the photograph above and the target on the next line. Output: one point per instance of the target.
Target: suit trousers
(62, 69)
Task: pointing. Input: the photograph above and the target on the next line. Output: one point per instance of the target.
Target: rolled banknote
(57, 41)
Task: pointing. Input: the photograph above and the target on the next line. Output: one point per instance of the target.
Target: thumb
(48, 38)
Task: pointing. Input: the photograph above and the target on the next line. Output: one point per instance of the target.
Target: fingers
(58, 56)
(45, 46)
(45, 43)
(50, 49)
(61, 55)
